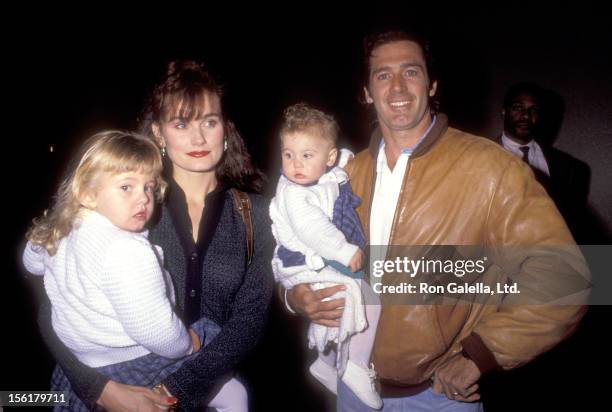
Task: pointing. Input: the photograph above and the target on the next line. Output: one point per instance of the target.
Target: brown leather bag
(243, 204)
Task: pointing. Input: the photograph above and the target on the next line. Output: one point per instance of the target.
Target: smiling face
(126, 199)
(306, 156)
(193, 145)
(399, 88)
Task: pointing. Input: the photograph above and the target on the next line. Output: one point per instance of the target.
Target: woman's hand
(311, 304)
(117, 397)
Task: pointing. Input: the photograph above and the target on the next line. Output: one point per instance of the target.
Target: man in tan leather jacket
(454, 189)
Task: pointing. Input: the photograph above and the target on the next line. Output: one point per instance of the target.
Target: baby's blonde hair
(302, 117)
(106, 152)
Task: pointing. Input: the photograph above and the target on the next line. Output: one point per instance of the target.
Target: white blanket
(353, 316)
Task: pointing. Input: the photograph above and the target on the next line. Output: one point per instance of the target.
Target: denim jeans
(426, 401)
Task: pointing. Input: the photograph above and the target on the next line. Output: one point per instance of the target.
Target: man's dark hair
(389, 35)
(522, 88)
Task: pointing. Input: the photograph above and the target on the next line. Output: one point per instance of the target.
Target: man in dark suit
(530, 117)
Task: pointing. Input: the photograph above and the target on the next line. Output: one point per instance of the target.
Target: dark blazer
(568, 185)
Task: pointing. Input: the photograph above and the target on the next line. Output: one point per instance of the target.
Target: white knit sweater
(302, 222)
(302, 219)
(111, 299)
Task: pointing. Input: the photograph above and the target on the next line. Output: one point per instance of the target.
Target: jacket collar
(432, 137)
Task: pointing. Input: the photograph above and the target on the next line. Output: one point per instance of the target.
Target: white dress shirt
(386, 195)
(535, 157)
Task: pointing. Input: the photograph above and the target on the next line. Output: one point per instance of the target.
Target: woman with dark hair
(216, 241)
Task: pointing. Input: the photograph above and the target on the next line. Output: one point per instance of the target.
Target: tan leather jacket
(461, 189)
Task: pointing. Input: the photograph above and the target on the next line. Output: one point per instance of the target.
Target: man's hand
(457, 379)
(309, 303)
(356, 262)
(117, 397)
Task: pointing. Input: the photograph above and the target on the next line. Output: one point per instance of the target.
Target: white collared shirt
(536, 155)
(386, 195)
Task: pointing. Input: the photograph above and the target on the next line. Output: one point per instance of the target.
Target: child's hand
(356, 262)
(195, 340)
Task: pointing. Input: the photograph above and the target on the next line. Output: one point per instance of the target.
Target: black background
(68, 77)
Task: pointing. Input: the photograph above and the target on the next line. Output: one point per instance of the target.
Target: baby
(320, 242)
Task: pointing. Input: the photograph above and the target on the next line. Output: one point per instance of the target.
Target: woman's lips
(199, 154)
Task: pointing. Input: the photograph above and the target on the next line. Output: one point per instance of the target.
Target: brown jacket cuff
(477, 351)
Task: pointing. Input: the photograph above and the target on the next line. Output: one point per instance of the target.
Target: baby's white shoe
(361, 381)
(326, 374)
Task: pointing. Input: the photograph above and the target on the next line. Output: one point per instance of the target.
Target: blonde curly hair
(106, 152)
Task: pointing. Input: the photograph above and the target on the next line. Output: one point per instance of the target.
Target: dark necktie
(525, 150)
(539, 175)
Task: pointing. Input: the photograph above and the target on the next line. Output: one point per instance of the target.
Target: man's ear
(433, 88)
(366, 95)
(331, 158)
